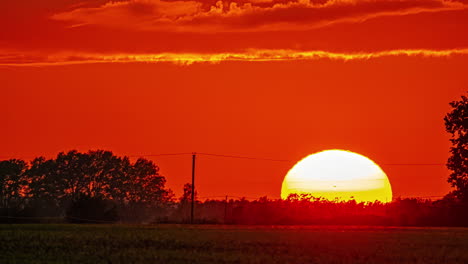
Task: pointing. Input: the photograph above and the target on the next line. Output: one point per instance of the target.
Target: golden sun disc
(338, 175)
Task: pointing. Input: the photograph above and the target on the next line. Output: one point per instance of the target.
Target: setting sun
(338, 174)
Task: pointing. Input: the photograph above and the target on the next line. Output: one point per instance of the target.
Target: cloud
(241, 15)
(253, 55)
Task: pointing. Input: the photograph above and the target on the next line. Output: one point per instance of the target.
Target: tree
(12, 182)
(42, 180)
(74, 181)
(185, 202)
(70, 174)
(144, 184)
(187, 195)
(74, 174)
(140, 192)
(456, 123)
(45, 197)
(102, 168)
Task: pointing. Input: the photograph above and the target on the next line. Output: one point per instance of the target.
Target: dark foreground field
(230, 244)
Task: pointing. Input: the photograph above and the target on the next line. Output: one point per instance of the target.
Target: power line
(242, 157)
(159, 155)
(276, 160)
(413, 164)
(253, 158)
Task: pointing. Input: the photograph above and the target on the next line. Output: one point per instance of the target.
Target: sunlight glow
(252, 55)
(338, 175)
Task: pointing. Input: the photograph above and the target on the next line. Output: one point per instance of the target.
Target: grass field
(230, 244)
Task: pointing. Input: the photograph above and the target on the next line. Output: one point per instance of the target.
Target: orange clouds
(132, 13)
(83, 31)
(194, 16)
(189, 58)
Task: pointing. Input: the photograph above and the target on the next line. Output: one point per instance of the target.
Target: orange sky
(275, 79)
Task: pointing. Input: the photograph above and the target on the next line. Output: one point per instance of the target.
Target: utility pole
(194, 154)
(225, 209)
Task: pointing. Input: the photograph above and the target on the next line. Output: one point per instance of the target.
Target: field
(230, 244)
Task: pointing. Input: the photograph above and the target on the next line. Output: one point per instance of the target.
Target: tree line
(307, 210)
(98, 186)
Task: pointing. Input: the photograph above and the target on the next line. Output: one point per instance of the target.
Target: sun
(338, 175)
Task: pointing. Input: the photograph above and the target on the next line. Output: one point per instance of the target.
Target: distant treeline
(303, 210)
(100, 187)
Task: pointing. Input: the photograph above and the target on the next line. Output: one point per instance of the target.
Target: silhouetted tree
(185, 202)
(42, 180)
(73, 179)
(45, 196)
(456, 123)
(142, 192)
(187, 195)
(12, 182)
(101, 169)
(145, 184)
(70, 174)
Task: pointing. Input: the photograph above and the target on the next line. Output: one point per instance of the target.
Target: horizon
(284, 163)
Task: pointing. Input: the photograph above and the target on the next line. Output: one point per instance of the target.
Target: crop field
(65, 243)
